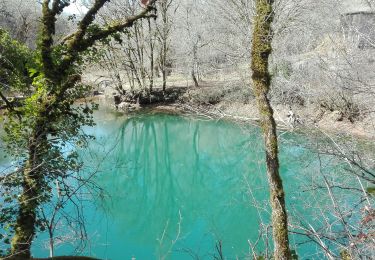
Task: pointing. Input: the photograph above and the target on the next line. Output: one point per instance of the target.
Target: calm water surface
(176, 185)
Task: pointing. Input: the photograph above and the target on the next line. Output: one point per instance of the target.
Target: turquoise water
(177, 185)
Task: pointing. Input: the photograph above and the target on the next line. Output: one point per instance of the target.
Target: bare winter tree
(132, 56)
(163, 29)
(20, 18)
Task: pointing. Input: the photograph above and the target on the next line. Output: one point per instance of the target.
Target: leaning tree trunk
(29, 199)
(261, 49)
(59, 76)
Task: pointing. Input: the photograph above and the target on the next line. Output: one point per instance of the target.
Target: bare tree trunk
(194, 71)
(261, 49)
(151, 55)
(164, 65)
(196, 83)
(163, 34)
(51, 244)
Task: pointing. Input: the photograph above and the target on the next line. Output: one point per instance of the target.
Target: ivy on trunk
(261, 49)
(37, 131)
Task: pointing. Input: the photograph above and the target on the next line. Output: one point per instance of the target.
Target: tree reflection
(176, 164)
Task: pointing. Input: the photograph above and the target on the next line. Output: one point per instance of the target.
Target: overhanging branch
(76, 42)
(73, 40)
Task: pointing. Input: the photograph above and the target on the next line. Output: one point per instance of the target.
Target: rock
(123, 106)
(126, 106)
(336, 116)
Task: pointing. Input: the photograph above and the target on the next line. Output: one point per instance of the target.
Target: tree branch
(59, 5)
(76, 42)
(9, 104)
(76, 37)
(115, 27)
(6, 101)
(73, 40)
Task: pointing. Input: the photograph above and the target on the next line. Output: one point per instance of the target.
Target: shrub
(343, 103)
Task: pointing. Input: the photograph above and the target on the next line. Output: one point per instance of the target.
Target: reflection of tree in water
(173, 164)
(154, 166)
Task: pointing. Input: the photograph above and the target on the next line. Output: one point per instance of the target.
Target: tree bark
(163, 35)
(196, 83)
(164, 65)
(261, 49)
(151, 55)
(194, 70)
(29, 199)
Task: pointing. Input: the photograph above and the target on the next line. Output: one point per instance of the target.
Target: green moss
(344, 255)
(371, 190)
(261, 49)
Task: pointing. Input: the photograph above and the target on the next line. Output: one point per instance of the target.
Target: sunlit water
(177, 185)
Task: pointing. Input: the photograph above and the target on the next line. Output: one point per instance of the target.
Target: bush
(342, 103)
(214, 95)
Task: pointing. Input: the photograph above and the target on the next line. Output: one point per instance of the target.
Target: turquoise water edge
(175, 186)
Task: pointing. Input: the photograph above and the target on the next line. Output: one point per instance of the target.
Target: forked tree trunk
(261, 49)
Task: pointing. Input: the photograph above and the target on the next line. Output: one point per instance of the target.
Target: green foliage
(345, 255)
(44, 134)
(15, 61)
(58, 117)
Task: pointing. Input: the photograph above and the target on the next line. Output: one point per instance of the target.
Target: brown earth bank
(234, 103)
(219, 101)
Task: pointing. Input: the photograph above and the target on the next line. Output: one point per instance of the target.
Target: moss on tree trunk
(29, 199)
(58, 75)
(261, 49)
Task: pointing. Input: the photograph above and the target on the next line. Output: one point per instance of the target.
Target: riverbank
(231, 104)
(218, 101)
